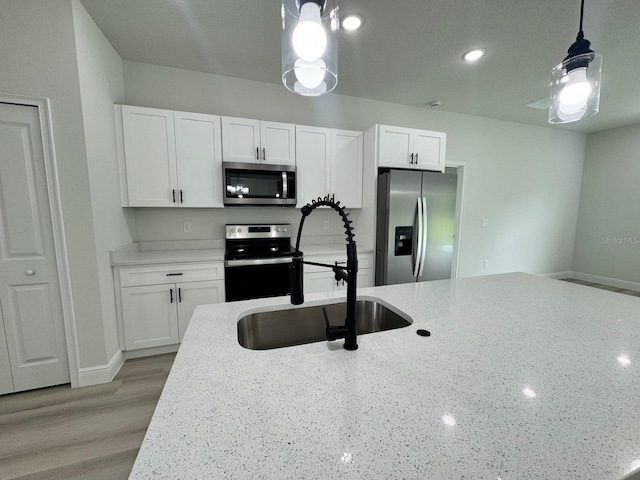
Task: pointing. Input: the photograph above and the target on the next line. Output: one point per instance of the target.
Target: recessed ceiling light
(352, 22)
(474, 55)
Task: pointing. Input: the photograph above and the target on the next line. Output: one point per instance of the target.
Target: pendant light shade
(310, 46)
(575, 83)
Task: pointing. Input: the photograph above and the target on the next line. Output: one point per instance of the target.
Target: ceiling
(408, 51)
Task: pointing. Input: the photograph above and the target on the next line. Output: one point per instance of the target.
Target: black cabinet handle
(257, 154)
(416, 158)
(173, 274)
(179, 294)
(264, 154)
(174, 195)
(171, 294)
(411, 161)
(181, 201)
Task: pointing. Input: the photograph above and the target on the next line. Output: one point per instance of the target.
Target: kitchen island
(522, 378)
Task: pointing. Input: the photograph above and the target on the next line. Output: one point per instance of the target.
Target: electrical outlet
(187, 227)
(486, 264)
(326, 224)
(484, 222)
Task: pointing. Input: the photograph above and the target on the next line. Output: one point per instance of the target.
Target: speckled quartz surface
(203, 251)
(522, 378)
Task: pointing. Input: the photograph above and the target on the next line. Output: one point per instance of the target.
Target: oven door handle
(257, 261)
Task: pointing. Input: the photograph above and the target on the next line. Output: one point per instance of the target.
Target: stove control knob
(284, 229)
(278, 229)
(232, 230)
(239, 230)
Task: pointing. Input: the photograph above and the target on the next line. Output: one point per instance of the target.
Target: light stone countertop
(522, 378)
(152, 253)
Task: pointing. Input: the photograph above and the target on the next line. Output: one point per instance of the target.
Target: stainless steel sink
(297, 326)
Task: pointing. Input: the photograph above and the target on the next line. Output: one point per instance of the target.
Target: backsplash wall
(154, 224)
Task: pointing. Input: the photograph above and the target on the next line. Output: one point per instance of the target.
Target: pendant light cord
(581, 15)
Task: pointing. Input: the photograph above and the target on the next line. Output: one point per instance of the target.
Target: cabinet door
(278, 143)
(312, 159)
(317, 282)
(346, 167)
(190, 295)
(395, 146)
(150, 316)
(240, 140)
(199, 159)
(150, 156)
(429, 148)
(365, 278)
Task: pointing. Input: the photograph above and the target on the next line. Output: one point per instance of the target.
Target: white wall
(608, 233)
(524, 179)
(39, 60)
(102, 85)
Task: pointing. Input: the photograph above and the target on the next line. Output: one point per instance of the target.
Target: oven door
(256, 278)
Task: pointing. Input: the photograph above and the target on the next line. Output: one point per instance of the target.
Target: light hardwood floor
(83, 433)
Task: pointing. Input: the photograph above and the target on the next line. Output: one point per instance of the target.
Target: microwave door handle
(424, 235)
(284, 185)
(416, 267)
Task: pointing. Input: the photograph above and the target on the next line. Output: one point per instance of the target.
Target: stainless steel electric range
(257, 260)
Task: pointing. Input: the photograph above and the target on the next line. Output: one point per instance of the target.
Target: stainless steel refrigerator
(415, 225)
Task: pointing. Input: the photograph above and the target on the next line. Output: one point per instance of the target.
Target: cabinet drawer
(159, 274)
(364, 261)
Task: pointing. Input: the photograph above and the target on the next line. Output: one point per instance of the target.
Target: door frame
(457, 241)
(59, 239)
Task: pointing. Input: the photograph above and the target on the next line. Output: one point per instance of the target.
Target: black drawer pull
(173, 274)
(171, 294)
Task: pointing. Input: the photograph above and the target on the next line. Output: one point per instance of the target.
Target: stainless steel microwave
(258, 184)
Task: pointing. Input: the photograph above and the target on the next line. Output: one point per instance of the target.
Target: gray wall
(39, 60)
(102, 85)
(608, 233)
(524, 179)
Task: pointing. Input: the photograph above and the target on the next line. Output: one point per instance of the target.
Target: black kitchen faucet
(348, 331)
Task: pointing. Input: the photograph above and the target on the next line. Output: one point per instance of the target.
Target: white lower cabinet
(156, 307)
(319, 279)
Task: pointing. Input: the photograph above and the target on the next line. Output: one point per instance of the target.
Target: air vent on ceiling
(540, 104)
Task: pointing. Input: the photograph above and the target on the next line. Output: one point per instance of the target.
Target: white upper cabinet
(313, 154)
(346, 167)
(411, 148)
(329, 161)
(150, 156)
(171, 158)
(199, 154)
(252, 141)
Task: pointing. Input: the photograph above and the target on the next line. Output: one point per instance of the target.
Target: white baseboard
(556, 275)
(148, 352)
(101, 373)
(612, 282)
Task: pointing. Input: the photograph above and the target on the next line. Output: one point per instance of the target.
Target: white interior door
(6, 379)
(29, 287)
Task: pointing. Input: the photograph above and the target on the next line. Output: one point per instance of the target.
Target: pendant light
(575, 83)
(310, 46)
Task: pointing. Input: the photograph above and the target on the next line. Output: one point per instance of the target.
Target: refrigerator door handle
(416, 267)
(424, 235)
